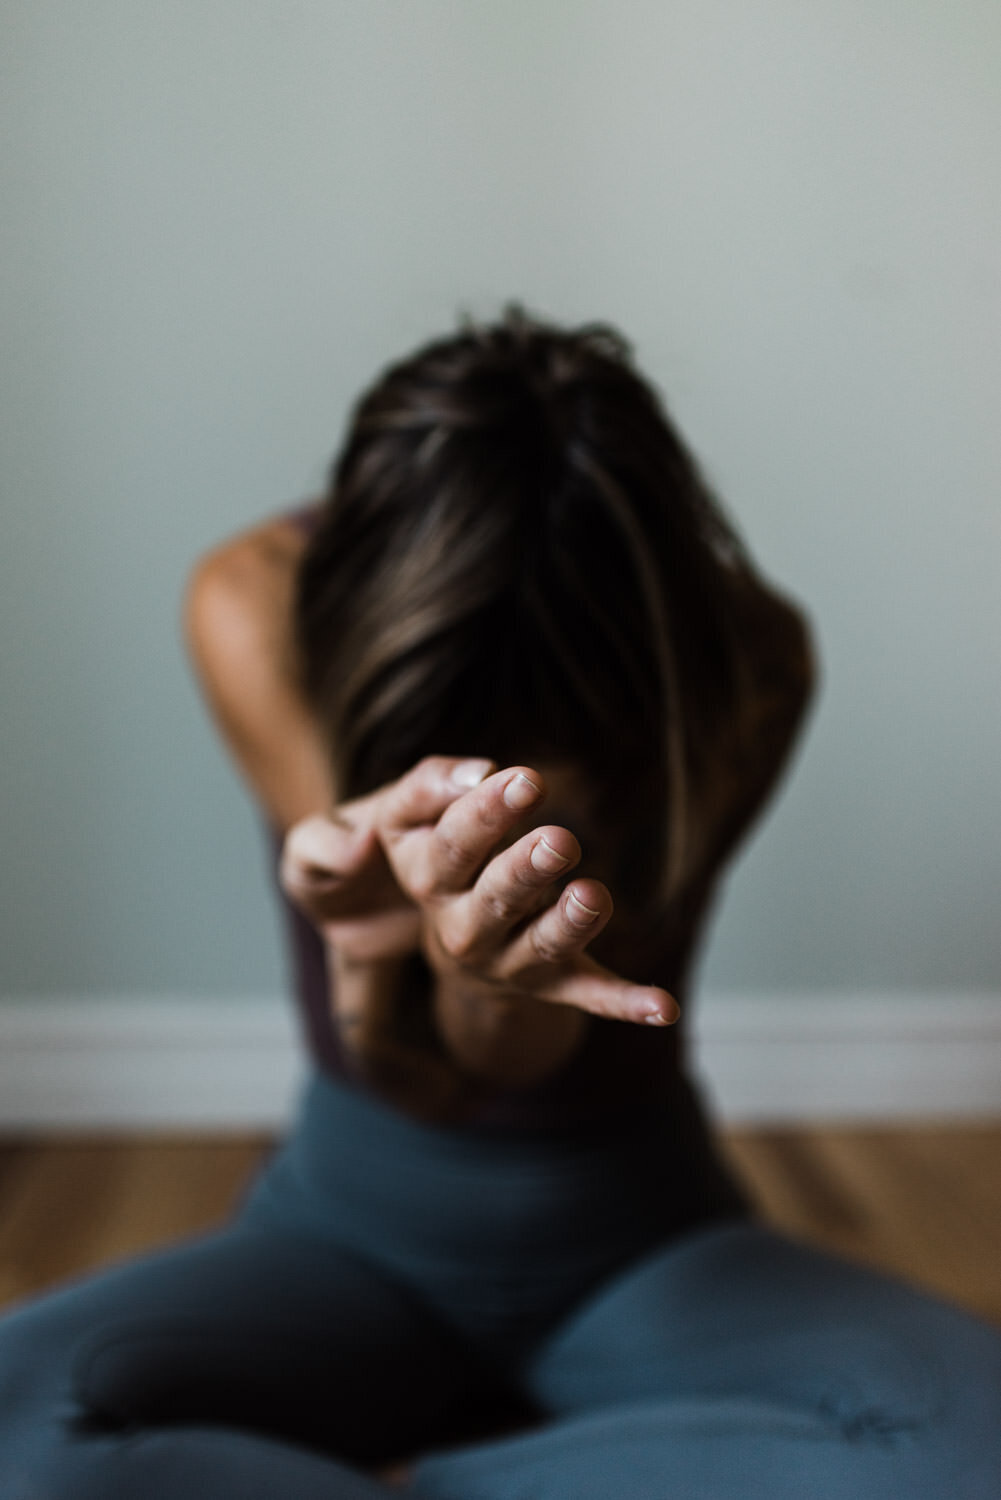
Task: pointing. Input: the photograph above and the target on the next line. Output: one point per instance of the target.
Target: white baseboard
(183, 1064)
(833, 1056)
(147, 1062)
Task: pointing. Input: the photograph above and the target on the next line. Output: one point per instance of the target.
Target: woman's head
(518, 559)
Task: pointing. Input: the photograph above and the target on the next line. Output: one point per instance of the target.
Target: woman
(514, 662)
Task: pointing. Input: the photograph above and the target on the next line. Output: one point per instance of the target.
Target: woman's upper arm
(238, 629)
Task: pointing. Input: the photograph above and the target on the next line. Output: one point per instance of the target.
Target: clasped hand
(431, 863)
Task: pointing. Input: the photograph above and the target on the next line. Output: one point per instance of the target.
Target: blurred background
(222, 217)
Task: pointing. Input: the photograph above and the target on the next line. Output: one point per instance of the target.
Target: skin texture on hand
(453, 863)
(335, 870)
(494, 911)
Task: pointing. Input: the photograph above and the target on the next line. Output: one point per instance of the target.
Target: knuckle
(452, 850)
(309, 841)
(546, 946)
(457, 942)
(403, 797)
(503, 907)
(421, 883)
(428, 768)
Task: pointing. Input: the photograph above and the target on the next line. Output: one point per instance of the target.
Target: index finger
(422, 794)
(445, 860)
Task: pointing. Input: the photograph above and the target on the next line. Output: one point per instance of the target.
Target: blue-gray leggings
(386, 1284)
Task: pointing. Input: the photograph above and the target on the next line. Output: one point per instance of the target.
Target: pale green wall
(221, 216)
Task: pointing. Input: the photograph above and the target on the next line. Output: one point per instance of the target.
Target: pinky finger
(551, 951)
(603, 993)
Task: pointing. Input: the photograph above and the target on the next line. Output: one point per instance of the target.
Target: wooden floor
(923, 1202)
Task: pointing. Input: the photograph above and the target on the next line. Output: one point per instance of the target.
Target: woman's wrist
(381, 1014)
(502, 1037)
(429, 1041)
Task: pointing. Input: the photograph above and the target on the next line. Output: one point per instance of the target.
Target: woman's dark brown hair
(519, 559)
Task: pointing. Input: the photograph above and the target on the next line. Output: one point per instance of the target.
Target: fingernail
(521, 793)
(546, 859)
(578, 913)
(469, 773)
(663, 1014)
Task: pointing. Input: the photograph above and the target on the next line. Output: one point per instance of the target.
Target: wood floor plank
(70, 1207)
(923, 1202)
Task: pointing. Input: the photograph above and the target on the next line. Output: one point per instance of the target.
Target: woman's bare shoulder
(240, 594)
(239, 630)
(251, 572)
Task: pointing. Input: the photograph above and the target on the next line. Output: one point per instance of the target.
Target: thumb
(321, 859)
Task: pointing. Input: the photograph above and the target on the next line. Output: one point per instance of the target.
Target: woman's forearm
(388, 1037)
